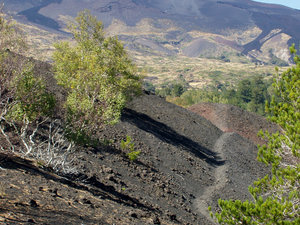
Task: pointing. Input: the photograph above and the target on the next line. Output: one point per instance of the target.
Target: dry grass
(41, 42)
(197, 71)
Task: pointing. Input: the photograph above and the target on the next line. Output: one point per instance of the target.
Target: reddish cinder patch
(230, 118)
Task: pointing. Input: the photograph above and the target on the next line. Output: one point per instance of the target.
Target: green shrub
(31, 99)
(128, 145)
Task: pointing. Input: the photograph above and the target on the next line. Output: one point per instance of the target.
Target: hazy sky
(290, 3)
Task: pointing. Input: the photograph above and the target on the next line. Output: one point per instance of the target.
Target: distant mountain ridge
(229, 23)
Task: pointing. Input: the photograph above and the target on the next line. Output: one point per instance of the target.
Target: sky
(290, 3)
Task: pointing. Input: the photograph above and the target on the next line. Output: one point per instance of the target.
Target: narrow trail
(220, 178)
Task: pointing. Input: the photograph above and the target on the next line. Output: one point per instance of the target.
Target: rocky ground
(186, 164)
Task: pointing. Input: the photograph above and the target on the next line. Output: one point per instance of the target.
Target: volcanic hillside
(193, 28)
(186, 164)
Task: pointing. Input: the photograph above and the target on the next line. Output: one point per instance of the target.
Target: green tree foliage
(195, 96)
(97, 73)
(178, 90)
(30, 97)
(276, 197)
(244, 91)
(23, 96)
(174, 89)
(148, 86)
(250, 94)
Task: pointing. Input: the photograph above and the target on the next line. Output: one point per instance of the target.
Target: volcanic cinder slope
(186, 164)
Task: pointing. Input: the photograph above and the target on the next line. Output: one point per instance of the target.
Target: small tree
(276, 198)
(27, 123)
(244, 90)
(97, 74)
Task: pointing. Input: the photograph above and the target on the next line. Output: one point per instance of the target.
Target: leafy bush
(98, 75)
(31, 100)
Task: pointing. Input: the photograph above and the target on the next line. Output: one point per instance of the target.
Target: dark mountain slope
(204, 14)
(212, 16)
(33, 15)
(185, 164)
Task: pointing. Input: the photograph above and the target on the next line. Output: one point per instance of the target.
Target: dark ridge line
(34, 16)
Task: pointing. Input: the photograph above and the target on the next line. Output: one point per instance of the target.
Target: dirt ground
(186, 164)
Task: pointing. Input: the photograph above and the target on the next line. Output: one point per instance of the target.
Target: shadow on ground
(168, 135)
(91, 184)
